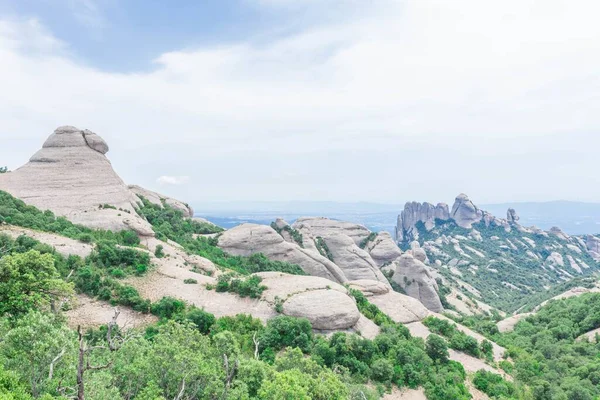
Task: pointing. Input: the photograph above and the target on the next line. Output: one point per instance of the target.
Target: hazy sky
(340, 100)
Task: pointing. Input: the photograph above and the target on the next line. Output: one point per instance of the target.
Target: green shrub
(201, 319)
(190, 281)
(168, 307)
(159, 252)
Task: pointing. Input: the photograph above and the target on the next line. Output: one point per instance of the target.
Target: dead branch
(54, 361)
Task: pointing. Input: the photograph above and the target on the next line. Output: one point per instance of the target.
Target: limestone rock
(559, 233)
(464, 212)
(248, 239)
(419, 212)
(412, 276)
(72, 177)
(383, 249)
(555, 259)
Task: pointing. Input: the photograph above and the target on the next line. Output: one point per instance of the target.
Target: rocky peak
(71, 176)
(464, 212)
(512, 216)
(415, 212)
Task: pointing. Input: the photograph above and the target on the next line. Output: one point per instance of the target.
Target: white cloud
(173, 180)
(408, 100)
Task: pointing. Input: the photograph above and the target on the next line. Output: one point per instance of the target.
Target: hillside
(320, 309)
(504, 262)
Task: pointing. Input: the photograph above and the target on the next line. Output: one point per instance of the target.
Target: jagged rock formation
(511, 216)
(464, 212)
(472, 246)
(412, 276)
(419, 212)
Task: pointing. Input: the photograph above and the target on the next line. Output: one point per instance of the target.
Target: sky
(314, 100)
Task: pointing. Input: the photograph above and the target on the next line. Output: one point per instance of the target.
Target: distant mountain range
(575, 218)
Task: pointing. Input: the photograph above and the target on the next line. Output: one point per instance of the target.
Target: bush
(168, 307)
(190, 281)
(248, 287)
(201, 319)
(286, 331)
(159, 252)
(493, 385)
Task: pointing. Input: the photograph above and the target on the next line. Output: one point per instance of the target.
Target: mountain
(491, 259)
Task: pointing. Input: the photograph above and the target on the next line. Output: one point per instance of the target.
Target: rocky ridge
(490, 254)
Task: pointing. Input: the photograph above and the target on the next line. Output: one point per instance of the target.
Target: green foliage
(31, 344)
(190, 281)
(15, 212)
(372, 236)
(170, 223)
(29, 281)
(207, 248)
(3, 170)
(284, 332)
(159, 251)
(547, 356)
(437, 348)
(201, 319)
(458, 340)
(494, 385)
(507, 258)
(168, 307)
(323, 248)
(110, 255)
(295, 234)
(369, 310)
(247, 287)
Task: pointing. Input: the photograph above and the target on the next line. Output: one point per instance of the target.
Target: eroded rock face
(383, 249)
(72, 177)
(464, 212)
(248, 239)
(325, 309)
(414, 278)
(419, 212)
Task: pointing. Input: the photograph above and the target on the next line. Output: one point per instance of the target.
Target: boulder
(559, 233)
(369, 287)
(340, 311)
(383, 249)
(414, 278)
(464, 212)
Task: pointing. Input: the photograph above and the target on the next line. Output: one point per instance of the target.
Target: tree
(437, 348)
(3, 170)
(36, 347)
(30, 281)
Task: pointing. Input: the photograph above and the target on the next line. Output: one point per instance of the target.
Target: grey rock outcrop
(414, 278)
(592, 243)
(72, 177)
(323, 227)
(157, 199)
(248, 239)
(464, 212)
(419, 212)
(512, 216)
(383, 249)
